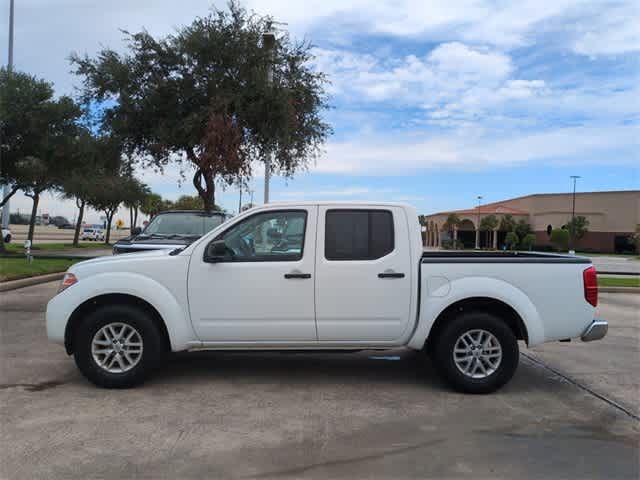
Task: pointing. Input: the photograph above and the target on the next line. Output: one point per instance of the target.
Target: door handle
(297, 275)
(390, 275)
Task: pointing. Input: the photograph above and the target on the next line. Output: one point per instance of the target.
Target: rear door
(363, 274)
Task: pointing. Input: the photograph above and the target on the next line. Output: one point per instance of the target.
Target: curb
(619, 289)
(29, 281)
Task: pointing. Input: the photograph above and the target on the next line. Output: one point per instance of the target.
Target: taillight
(68, 280)
(590, 279)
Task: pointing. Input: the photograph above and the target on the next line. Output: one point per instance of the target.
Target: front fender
(433, 303)
(173, 312)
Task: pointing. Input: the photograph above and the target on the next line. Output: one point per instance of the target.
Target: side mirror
(136, 231)
(216, 251)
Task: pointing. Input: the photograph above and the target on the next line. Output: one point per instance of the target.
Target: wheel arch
(96, 302)
(491, 305)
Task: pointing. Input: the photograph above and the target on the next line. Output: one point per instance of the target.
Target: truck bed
(499, 257)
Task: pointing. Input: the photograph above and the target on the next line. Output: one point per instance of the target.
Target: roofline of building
(499, 202)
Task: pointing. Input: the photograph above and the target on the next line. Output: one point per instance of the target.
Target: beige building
(612, 216)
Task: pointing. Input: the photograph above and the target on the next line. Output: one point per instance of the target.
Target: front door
(263, 290)
(363, 274)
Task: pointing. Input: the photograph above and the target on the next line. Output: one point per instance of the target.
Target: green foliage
(522, 229)
(507, 223)
(635, 238)
(453, 221)
(512, 240)
(577, 227)
(488, 223)
(152, 204)
(18, 219)
(528, 241)
(186, 202)
(560, 239)
(202, 95)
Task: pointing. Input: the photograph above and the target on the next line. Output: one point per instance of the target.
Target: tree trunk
(34, 211)
(131, 225)
(107, 237)
(207, 191)
(76, 234)
(135, 217)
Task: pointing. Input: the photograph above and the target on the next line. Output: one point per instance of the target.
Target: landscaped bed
(619, 281)
(16, 268)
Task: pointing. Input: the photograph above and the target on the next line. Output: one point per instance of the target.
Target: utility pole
(7, 189)
(240, 202)
(478, 225)
(268, 43)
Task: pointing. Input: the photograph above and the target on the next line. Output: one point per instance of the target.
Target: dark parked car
(170, 230)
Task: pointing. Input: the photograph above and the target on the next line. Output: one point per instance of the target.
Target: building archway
(467, 233)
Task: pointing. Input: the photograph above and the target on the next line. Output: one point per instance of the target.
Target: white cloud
(409, 154)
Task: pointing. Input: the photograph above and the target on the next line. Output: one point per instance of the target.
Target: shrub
(511, 240)
(560, 238)
(528, 241)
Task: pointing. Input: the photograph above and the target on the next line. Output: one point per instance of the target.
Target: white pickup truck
(322, 276)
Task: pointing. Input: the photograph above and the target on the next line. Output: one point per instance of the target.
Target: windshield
(188, 224)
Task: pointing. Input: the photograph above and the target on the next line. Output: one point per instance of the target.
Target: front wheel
(476, 352)
(118, 346)
(7, 239)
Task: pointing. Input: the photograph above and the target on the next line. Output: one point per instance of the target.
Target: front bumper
(596, 331)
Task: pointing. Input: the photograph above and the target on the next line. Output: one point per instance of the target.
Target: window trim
(264, 258)
(360, 210)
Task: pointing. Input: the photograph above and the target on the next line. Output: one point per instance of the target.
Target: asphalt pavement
(364, 415)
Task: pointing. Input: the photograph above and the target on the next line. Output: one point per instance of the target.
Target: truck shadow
(370, 368)
(400, 367)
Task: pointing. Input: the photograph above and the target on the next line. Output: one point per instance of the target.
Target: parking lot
(571, 411)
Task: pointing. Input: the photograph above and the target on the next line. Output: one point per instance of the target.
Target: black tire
(153, 346)
(443, 352)
(7, 239)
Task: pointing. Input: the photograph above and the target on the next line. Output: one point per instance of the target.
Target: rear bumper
(596, 331)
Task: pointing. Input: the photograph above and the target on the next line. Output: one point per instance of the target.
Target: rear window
(358, 234)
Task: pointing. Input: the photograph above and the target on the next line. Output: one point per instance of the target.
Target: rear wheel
(7, 239)
(476, 352)
(118, 346)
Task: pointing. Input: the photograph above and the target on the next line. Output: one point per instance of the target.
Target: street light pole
(478, 225)
(268, 43)
(573, 203)
(7, 189)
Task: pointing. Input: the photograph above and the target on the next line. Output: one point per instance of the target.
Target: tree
(560, 238)
(507, 223)
(152, 204)
(635, 238)
(577, 227)
(512, 240)
(109, 193)
(34, 133)
(453, 222)
(213, 96)
(528, 241)
(522, 229)
(489, 224)
(47, 159)
(186, 202)
(134, 195)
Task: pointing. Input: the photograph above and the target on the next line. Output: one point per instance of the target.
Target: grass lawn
(15, 268)
(18, 247)
(619, 281)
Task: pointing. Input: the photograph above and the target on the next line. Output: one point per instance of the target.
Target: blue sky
(432, 102)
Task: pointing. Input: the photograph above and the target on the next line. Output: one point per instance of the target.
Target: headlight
(68, 280)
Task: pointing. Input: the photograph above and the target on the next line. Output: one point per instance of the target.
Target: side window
(358, 234)
(268, 236)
